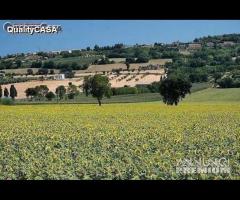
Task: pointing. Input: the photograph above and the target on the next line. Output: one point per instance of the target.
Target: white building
(59, 77)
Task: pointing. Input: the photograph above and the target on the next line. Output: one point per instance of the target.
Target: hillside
(214, 60)
(215, 95)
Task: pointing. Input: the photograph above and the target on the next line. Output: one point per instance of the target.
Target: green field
(83, 99)
(120, 141)
(79, 60)
(213, 95)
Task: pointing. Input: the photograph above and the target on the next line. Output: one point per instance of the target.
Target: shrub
(50, 95)
(7, 101)
(124, 90)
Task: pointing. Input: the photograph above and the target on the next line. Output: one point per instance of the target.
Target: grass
(213, 95)
(79, 60)
(6, 101)
(82, 99)
(200, 86)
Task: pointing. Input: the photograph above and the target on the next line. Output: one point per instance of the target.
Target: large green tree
(98, 86)
(174, 89)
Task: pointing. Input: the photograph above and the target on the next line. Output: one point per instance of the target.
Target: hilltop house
(194, 46)
(227, 44)
(210, 44)
(59, 76)
(55, 52)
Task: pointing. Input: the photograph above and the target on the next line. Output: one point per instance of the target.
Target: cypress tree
(0, 91)
(6, 93)
(13, 92)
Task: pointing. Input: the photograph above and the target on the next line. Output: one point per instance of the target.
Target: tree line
(172, 89)
(42, 91)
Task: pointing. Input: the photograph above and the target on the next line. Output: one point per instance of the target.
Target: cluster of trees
(65, 54)
(124, 90)
(219, 38)
(43, 54)
(65, 68)
(139, 59)
(6, 93)
(198, 77)
(41, 71)
(202, 64)
(228, 82)
(114, 47)
(41, 92)
(74, 53)
(44, 71)
(53, 65)
(9, 64)
(103, 61)
(6, 64)
(8, 80)
(138, 52)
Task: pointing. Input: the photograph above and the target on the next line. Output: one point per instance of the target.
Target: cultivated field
(81, 60)
(117, 141)
(133, 80)
(110, 67)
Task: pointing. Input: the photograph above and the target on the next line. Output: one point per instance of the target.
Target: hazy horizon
(79, 34)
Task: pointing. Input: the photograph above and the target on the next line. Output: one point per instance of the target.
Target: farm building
(59, 76)
(227, 44)
(194, 46)
(55, 52)
(210, 44)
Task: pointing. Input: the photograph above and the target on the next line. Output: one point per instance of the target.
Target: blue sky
(79, 34)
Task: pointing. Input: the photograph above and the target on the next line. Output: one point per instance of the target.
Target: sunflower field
(116, 141)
